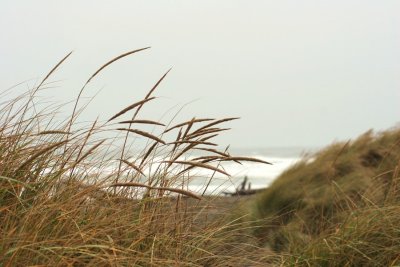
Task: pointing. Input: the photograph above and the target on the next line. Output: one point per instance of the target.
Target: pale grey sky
(298, 73)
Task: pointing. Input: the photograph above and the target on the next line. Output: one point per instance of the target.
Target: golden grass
(130, 107)
(341, 209)
(59, 208)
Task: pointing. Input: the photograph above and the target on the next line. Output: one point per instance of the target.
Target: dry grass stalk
(142, 121)
(53, 70)
(113, 60)
(207, 157)
(133, 166)
(183, 151)
(157, 84)
(130, 107)
(213, 151)
(206, 131)
(73, 116)
(215, 123)
(53, 132)
(208, 137)
(175, 190)
(85, 141)
(40, 153)
(177, 138)
(197, 164)
(90, 151)
(145, 134)
(148, 152)
(135, 114)
(192, 142)
(179, 191)
(186, 123)
(230, 158)
(185, 170)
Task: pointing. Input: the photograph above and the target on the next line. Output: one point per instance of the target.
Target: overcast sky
(298, 73)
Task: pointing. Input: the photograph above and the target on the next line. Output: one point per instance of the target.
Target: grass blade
(145, 134)
(113, 60)
(130, 107)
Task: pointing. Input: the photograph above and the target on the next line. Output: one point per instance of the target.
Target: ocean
(258, 175)
(208, 182)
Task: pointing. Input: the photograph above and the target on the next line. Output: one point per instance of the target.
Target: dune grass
(71, 195)
(61, 206)
(339, 209)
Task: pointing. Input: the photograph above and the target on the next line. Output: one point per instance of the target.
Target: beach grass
(74, 193)
(339, 208)
(61, 206)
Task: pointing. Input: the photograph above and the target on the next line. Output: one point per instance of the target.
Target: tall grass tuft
(339, 209)
(71, 197)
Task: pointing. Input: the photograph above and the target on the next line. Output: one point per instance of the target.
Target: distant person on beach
(243, 185)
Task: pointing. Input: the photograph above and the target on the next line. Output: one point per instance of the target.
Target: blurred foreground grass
(340, 208)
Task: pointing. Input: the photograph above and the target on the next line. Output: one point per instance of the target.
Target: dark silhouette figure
(243, 185)
(241, 190)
